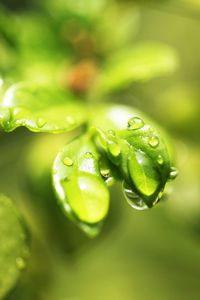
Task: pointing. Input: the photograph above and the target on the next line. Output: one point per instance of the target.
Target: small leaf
(141, 62)
(41, 109)
(79, 185)
(13, 246)
(144, 176)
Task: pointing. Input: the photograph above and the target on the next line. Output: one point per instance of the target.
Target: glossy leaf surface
(136, 147)
(41, 109)
(79, 185)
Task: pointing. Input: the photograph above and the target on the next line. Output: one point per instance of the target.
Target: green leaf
(141, 62)
(41, 109)
(79, 185)
(13, 246)
(137, 148)
(143, 174)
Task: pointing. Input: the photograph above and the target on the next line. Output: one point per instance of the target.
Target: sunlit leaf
(79, 185)
(143, 173)
(136, 147)
(13, 246)
(41, 109)
(140, 62)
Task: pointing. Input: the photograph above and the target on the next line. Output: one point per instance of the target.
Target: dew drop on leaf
(110, 181)
(88, 155)
(41, 122)
(105, 172)
(67, 161)
(135, 123)
(160, 159)
(133, 199)
(173, 173)
(154, 141)
(114, 149)
(111, 132)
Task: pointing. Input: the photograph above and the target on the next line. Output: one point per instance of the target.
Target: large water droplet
(114, 149)
(41, 122)
(20, 262)
(135, 123)
(133, 199)
(160, 159)
(154, 141)
(67, 161)
(173, 173)
(88, 155)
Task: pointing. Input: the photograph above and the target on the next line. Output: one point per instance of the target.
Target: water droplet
(67, 161)
(111, 133)
(160, 159)
(110, 181)
(133, 199)
(41, 122)
(88, 155)
(70, 120)
(114, 149)
(160, 195)
(135, 123)
(105, 172)
(20, 262)
(173, 173)
(154, 141)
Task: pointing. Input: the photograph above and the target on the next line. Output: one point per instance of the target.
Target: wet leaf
(13, 246)
(144, 176)
(41, 109)
(79, 185)
(139, 150)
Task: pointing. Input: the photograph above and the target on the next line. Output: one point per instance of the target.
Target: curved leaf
(144, 176)
(79, 185)
(41, 109)
(136, 148)
(143, 61)
(13, 246)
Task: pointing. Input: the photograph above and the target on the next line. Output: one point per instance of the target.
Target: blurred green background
(139, 255)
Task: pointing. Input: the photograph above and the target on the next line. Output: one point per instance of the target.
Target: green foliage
(80, 187)
(140, 62)
(129, 150)
(41, 109)
(137, 149)
(13, 245)
(122, 144)
(53, 76)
